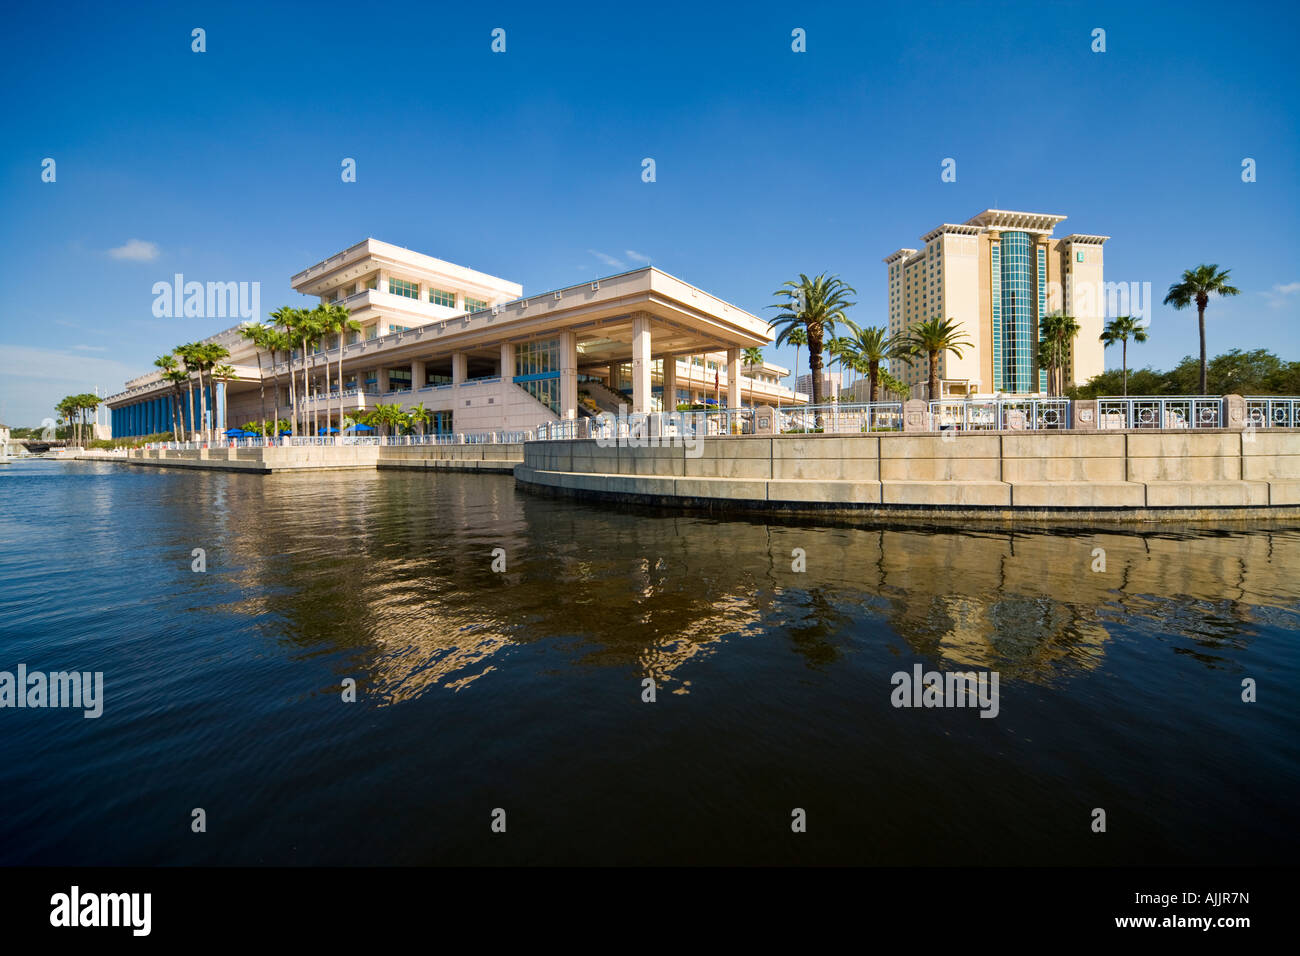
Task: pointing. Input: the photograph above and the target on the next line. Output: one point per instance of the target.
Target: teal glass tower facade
(1014, 350)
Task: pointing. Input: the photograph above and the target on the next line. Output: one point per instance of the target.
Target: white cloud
(607, 259)
(1280, 295)
(33, 379)
(136, 250)
(91, 348)
(636, 256)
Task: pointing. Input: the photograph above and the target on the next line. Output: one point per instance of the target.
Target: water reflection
(1119, 687)
(396, 569)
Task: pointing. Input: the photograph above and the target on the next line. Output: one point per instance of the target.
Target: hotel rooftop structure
(997, 275)
(482, 356)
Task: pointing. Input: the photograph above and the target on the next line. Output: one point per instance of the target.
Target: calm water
(522, 690)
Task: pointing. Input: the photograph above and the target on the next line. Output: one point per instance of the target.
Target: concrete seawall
(1146, 475)
(490, 458)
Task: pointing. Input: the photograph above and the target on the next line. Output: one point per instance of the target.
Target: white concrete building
(480, 355)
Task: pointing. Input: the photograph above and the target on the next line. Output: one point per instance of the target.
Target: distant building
(830, 384)
(997, 275)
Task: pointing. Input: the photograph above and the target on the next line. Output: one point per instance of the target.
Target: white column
(670, 383)
(382, 375)
(640, 363)
(418, 375)
(507, 361)
(459, 365)
(733, 378)
(383, 281)
(568, 375)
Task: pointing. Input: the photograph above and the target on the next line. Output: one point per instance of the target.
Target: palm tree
(1197, 286)
(189, 356)
(255, 332)
(223, 374)
(1059, 330)
(840, 348)
(275, 340)
(419, 415)
(891, 385)
(308, 331)
(814, 305)
(168, 365)
(1120, 329)
(872, 346)
(209, 354)
(338, 321)
(290, 321)
(932, 337)
(176, 376)
(797, 337)
(753, 357)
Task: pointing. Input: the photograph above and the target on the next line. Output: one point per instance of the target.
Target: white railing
(1195, 411)
(1000, 414)
(1267, 412)
(993, 414)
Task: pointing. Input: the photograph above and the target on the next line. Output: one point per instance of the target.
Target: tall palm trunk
(306, 391)
(293, 395)
(275, 426)
(203, 408)
(329, 408)
(342, 336)
(1124, 363)
(815, 366)
(261, 381)
(933, 385)
(1202, 301)
(189, 395)
(873, 377)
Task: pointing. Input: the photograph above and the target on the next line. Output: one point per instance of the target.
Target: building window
(439, 297)
(372, 282)
(372, 331)
(410, 290)
(474, 305)
(399, 328)
(537, 371)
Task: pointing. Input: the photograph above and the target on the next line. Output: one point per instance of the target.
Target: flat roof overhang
(370, 255)
(683, 320)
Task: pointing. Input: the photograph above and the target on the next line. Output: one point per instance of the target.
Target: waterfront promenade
(1053, 460)
(1151, 475)
(499, 458)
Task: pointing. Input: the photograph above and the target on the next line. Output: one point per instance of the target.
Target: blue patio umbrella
(249, 435)
(360, 428)
(234, 432)
(327, 431)
(286, 432)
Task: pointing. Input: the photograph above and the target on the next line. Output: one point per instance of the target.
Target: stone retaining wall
(476, 457)
(1142, 475)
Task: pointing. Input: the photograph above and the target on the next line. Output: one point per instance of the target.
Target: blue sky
(527, 164)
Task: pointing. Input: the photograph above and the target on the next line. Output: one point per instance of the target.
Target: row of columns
(642, 365)
(459, 369)
(154, 415)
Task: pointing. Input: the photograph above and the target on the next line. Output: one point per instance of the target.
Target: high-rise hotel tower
(996, 275)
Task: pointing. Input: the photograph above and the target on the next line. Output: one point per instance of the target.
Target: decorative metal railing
(1265, 412)
(993, 414)
(1199, 411)
(1000, 414)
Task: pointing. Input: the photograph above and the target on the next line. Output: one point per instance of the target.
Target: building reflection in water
(393, 573)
